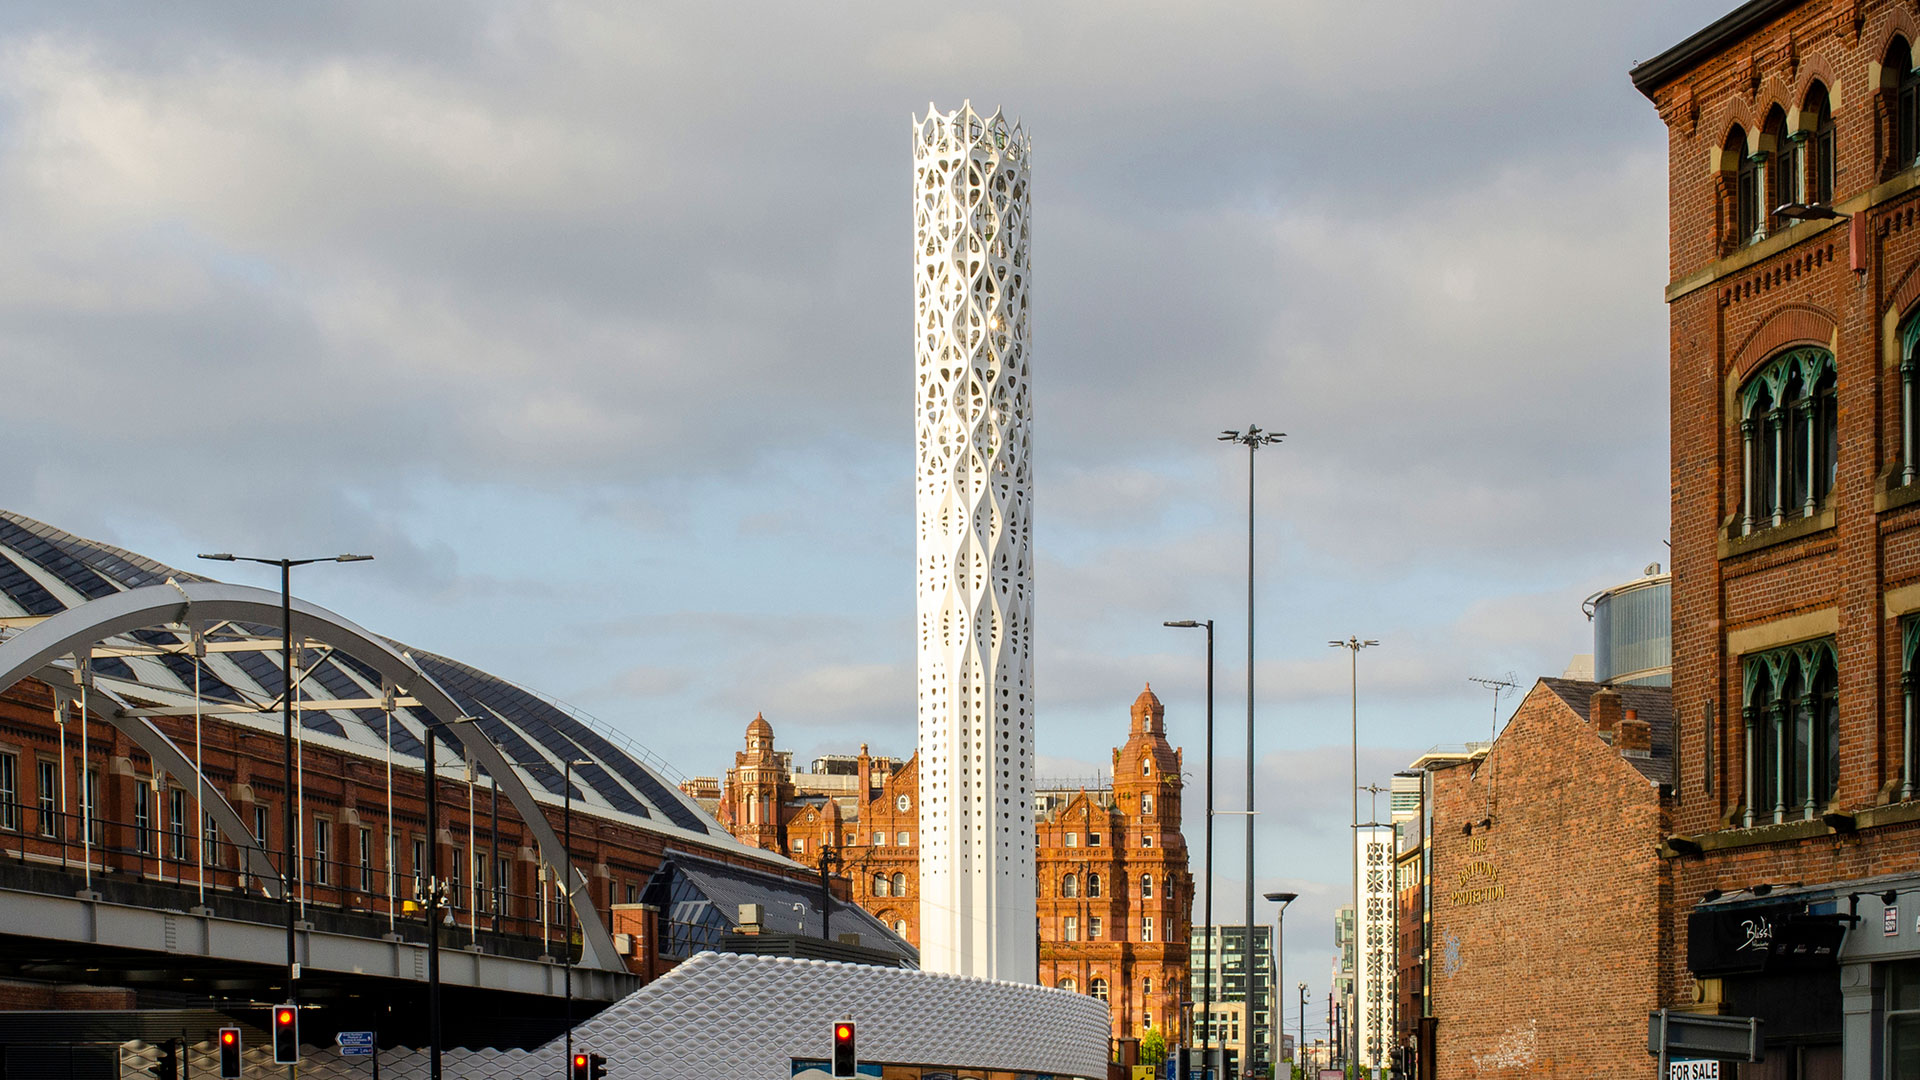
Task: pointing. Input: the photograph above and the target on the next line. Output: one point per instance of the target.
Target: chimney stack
(1635, 738)
(1605, 712)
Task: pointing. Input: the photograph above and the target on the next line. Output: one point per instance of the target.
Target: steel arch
(181, 603)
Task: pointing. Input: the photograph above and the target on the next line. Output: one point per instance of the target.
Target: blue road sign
(355, 1043)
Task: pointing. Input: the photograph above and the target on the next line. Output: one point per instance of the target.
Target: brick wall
(1731, 309)
(1545, 948)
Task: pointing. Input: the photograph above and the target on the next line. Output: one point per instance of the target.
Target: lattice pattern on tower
(973, 543)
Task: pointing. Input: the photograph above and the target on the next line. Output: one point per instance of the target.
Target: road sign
(1694, 1070)
(355, 1043)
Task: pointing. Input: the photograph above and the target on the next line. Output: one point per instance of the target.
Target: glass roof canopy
(44, 571)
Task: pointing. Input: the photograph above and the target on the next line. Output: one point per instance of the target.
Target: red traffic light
(843, 1032)
(846, 1061)
(579, 1061)
(283, 1016)
(579, 1069)
(228, 1036)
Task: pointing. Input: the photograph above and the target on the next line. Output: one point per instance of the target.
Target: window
(1067, 984)
(1147, 1021)
(1097, 988)
(1070, 886)
(880, 886)
(1792, 732)
(177, 821)
(9, 791)
(899, 884)
(48, 797)
(1146, 987)
(902, 839)
(420, 869)
(1073, 839)
(90, 801)
(1903, 1020)
(1070, 929)
(502, 873)
(1146, 803)
(1093, 839)
(900, 927)
(1906, 104)
(799, 843)
(1778, 160)
(1749, 178)
(143, 816)
(1146, 766)
(1146, 929)
(879, 839)
(1146, 886)
(1146, 840)
(210, 840)
(261, 815)
(454, 878)
(322, 850)
(1093, 928)
(366, 860)
(1093, 885)
(1790, 440)
(633, 893)
(1814, 149)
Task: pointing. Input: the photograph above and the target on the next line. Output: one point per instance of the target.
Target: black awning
(1770, 938)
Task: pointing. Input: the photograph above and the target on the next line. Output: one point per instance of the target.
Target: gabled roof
(1654, 704)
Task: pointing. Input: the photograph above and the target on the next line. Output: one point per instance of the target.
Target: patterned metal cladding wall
(973, 544)
(720, 1016)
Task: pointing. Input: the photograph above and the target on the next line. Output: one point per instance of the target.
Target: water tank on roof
(1633, 631)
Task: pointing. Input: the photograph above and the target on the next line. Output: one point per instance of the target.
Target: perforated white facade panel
(973, 545)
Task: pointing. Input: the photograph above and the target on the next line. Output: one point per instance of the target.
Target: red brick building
(1115, 893)
(1794, 291)
(1546, 888)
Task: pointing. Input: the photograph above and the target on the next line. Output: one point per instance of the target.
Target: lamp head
(353, 558)
(1184, 624)
(219, 557)
(1283, 897)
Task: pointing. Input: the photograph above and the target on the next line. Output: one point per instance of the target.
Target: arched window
(1097, 988)
(1776, 162)
(1070, 886)
(1748, 219)
(1905, 100)
(1792, 732)
(1146, 802)
(899, 884)
(1813, 149)
(900, 927)
(1067, 984)
(880, 885)
(1146, 886)
(1093, 884)
(1790, 440)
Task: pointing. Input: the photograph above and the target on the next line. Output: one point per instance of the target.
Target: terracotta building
(1543, 902)
(1115, 893)
(1793, 132)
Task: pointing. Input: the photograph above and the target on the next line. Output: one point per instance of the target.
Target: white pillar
(973, 421)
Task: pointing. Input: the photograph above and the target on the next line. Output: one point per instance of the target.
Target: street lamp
(1279, 969)
(286, 711)
(566, 857)
(1300, 1044)
(1353, 645)
(1206, 940)
(1253, 439)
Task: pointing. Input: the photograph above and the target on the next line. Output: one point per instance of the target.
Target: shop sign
(1781, 937)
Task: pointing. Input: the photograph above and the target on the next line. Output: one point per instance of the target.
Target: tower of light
(974, 519)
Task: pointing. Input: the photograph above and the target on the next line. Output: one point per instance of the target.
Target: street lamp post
(1300, 1044)
(1279, 970)
(1206, 939)
(288, 680)
(566, 891)
(1353, 645)
(1253, 439)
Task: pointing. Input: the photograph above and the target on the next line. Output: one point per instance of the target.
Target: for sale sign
(1693, 1070)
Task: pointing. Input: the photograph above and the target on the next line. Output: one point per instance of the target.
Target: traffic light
(168, 1066)
(596, 1067)
(286, 1034)
(844, 1063)
(229, 1053)
(578, 1067)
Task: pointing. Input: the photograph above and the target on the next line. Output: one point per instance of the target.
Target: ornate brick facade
(1130, 901)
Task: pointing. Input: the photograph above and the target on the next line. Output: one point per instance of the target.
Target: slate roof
(1654, 704)
(789, 906)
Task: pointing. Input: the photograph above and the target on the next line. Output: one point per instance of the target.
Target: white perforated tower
(974, 513)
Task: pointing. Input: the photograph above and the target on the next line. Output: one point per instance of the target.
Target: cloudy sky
(592, 322)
